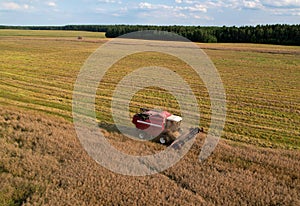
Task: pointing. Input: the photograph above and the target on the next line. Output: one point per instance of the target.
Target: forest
(281, 34)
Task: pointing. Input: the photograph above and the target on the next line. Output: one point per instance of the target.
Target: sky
(156, 12)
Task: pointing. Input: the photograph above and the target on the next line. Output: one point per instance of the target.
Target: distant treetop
(265, 34)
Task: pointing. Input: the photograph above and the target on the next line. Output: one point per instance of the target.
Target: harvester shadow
(112, 128)
(133, 133)
(127, 132)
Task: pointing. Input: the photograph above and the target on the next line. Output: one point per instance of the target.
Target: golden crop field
(49, 33)
(41, 160)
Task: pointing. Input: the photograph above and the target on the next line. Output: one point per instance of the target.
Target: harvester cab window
(143, 116)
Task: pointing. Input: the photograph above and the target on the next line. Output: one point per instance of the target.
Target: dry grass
(43, 164)
(260, 48)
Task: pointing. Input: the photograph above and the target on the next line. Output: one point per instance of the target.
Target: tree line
(265, 34)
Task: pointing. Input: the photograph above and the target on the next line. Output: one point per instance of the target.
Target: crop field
(52, 33)
(256, 162)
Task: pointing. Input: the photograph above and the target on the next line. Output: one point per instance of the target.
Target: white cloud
(173, 12)
(203, 17)
(214, 4)
(10, 5)
(282, 3)
(190, 2)
(194, 8)
(121, 12)
(186, 1)
(276, 7)
(145, 5)
(181, 15)
(52, 4)
(198, 7)
(282, 7)
(285, 12)
(109, 1)
(254, 4)
(14, 6)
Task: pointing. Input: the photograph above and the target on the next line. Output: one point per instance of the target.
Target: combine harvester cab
(158, 126)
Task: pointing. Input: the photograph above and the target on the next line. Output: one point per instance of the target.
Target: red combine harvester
(162, 125)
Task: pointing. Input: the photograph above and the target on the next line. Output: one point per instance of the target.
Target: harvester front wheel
(142, 135)
(162, 140)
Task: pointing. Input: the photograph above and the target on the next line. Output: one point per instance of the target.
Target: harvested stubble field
(41, 160)
(49, 33)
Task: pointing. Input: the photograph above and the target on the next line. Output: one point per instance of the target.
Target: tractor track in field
(48, 85)
(247, 49)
